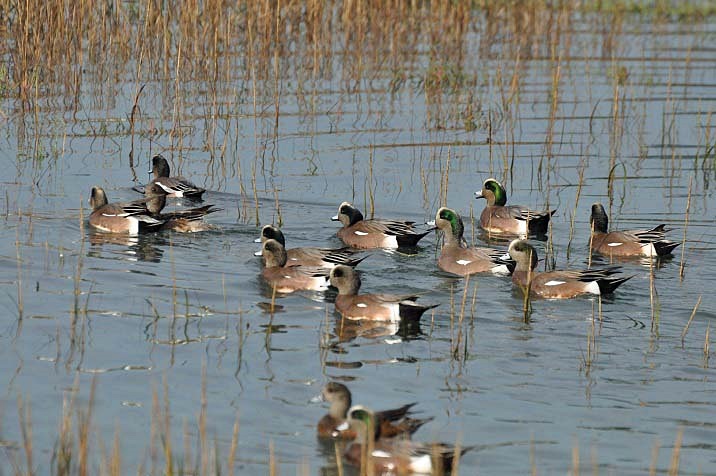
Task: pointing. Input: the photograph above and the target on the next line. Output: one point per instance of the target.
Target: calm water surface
(140, 313)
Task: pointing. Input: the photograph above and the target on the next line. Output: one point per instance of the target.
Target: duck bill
(334, 218)
(317, 398)
(257, 240)
(479, 195)
(258, 253)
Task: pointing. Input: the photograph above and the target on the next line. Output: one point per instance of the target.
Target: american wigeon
(627, 242)
(131, 217)
(174, 186)
(310, 256)
(374, 307)
(560, 284)
(393, 422)
(190, 220)
(497, 217)
(287, 279)
(375, 233)
(457, 258)
(395, 455)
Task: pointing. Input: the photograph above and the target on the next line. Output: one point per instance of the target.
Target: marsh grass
(707, 345)
(655, 305)
(682, 264)
(688, 323)
(589, 356)
(79, 449)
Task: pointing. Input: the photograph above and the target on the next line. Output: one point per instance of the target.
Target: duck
(497, 217)
(174, 186)
(395, 455)
(132, 217)
(287, 279)
(393, 422)
(310, 256)
(651, 242)
(372, 307)
(458, 258)
(190, 220)
(560, 284)
(376, 233)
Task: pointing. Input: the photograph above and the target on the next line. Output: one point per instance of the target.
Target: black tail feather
(410, 240)
(608, 285)
(665, 247)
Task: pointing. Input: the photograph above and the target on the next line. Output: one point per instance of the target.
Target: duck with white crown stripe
(375, 233)
(560, 284)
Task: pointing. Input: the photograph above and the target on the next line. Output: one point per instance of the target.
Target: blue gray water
(138, 313)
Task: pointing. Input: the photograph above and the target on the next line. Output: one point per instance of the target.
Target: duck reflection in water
(130, 248)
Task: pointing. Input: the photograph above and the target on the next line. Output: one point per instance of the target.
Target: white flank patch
(394, 312)
(593, 288)
(614, 244)
(133, 225)
(501, 269)
(554, 283)
(360, 304)
(390, 242)
(421, 464)
(648, 249)
(360, 233)
(320, 284)
(287, 277)
(463, 262)
(394, 340)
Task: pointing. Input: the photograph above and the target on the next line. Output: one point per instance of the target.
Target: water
(171, 312)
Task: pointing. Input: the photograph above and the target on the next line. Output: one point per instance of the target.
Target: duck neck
(599, 221)
(352, 288)
(276, 258)
(339, 407)
(156, 203)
